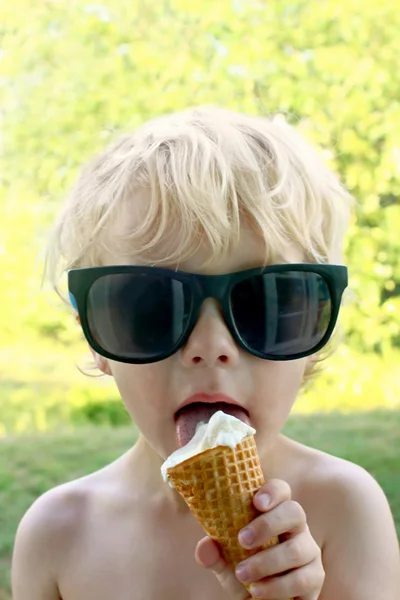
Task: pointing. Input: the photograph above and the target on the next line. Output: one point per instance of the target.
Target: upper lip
(208, 398)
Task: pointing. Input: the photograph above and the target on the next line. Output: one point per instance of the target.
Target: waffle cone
(218, 485)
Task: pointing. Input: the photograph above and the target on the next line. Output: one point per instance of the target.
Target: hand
(291, 569)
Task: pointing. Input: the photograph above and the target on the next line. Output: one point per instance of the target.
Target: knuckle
(269, 526)
(267, 529)
(260, 526)
(320, 579)
(310, 579)
(318, 553)
(278, 520)
(298, 511)
(281, 488)
(294, 551)
(255, 566)
(305, 580)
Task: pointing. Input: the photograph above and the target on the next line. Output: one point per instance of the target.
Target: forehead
(247, 254)
(249, 250)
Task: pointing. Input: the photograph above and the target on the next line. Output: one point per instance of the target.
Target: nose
(210, 343)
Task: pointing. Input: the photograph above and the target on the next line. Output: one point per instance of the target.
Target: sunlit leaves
(73, 74)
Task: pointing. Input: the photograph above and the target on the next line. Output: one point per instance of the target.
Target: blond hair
(207, 171)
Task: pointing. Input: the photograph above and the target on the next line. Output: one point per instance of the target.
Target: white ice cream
(221, 430)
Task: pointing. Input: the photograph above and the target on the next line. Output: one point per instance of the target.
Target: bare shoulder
(360, 547)
(45, 536)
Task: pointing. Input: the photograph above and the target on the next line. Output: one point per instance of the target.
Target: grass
(30, 464)
(50, 391)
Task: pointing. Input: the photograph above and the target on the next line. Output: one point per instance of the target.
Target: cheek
(146, 391)
(278, 384)
(142, 387)
(290, 375)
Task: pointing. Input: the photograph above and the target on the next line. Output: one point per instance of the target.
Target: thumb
(208, 555)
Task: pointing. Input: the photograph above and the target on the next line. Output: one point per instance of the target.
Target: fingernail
(246, 536)
(263, 501)
(242, 572)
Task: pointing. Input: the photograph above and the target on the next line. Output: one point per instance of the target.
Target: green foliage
(74, 74)
(106, 412)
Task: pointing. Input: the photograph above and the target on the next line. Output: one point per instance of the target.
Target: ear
(101, 363)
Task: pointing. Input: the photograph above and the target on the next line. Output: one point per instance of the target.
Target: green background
(75, 74)
(72, 76)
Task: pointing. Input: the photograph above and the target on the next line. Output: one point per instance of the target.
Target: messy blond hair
(207, 171)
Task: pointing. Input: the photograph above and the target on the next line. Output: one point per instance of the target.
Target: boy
(204, 253)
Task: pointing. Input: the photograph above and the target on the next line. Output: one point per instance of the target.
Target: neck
(144, 465)
(271, 454)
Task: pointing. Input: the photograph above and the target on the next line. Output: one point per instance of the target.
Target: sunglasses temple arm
(73, 301)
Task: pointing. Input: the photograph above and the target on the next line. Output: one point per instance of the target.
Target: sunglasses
(140, 315)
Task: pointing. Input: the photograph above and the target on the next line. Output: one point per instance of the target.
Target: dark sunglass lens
(282, 314)
(139, 316)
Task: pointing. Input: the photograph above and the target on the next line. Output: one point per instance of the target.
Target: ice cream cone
(218, 485)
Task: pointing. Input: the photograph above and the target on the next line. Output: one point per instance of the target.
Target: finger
(208, 555)
(286, 518)
(305, 582)
(273, 492)
(292, 554)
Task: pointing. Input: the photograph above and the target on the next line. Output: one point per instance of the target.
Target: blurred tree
(73, 74)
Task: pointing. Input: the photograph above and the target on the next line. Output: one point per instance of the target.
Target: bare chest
(132, 551)
(138, 562)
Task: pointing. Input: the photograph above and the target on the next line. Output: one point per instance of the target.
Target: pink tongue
(200, 411)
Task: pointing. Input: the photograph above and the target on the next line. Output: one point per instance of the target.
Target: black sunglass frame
(201, 287)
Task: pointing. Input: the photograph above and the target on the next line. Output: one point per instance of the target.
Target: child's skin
(123, 533)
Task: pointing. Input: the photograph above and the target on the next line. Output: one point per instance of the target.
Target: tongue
(193, 414)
